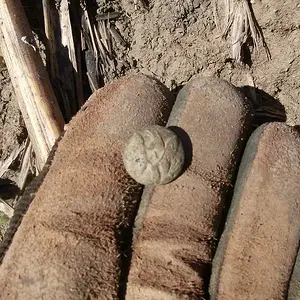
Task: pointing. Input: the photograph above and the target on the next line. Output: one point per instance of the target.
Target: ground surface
(175, 40)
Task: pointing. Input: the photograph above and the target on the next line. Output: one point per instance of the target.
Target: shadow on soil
(266, 108)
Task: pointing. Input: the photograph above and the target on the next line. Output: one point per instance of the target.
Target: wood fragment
(6, 209)
(117, 36)
(67, 42)
(12, 157)
(102, 48)
(107, 16)
(91, 31)
(91, 82)
(25, 165)
(91, 52)
(105, 36)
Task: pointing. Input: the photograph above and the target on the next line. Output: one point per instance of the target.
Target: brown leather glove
(79, 239)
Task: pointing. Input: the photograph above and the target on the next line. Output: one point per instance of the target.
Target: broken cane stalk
(35, 95)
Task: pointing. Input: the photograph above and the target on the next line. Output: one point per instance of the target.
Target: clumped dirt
(174, 40)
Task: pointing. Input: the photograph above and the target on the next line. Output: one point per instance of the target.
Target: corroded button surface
(154, 155)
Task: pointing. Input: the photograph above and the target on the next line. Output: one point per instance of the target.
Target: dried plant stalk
(4, 166)
(25, 165)
(35, 95)
(100, 38)
(64, 63)
(6, 209)
(240, 24)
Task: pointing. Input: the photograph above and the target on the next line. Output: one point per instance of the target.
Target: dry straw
(241, 25)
